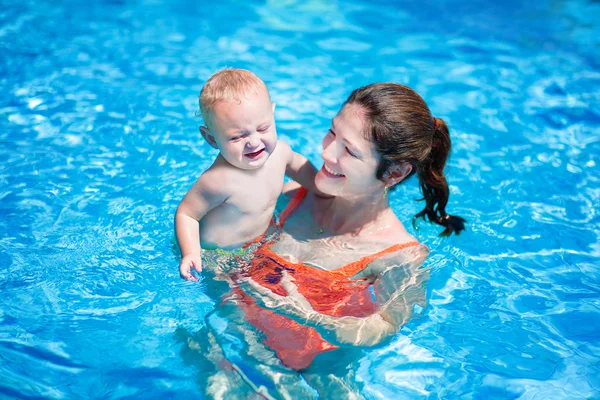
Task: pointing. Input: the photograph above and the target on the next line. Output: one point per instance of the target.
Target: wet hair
(400, 125)
(227, 85)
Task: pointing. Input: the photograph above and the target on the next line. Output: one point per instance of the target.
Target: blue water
(99, 141)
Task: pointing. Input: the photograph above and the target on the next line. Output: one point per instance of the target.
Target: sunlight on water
(99, 142)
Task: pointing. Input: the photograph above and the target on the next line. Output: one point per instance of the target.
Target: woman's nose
(329, 152)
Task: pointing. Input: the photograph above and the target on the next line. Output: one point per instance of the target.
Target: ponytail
(434, 185)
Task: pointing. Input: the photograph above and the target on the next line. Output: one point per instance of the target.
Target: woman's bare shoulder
(410, 256)
(400, 247)
(396, 233)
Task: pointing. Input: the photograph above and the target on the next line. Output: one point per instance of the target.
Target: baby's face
(245, 131)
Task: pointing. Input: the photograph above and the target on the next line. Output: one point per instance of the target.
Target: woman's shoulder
(396, 234)
(404, 247)
(408, 246)
(399, 247)
(404, 255)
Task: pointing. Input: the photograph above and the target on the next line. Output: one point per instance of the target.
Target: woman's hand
(287, 282)
(340, 331)
(294, 303)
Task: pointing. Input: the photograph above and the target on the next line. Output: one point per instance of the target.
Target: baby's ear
(209, 137)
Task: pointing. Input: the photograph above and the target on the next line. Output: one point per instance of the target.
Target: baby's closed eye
(263, 129)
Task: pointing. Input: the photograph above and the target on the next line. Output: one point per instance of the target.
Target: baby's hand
(186, 264)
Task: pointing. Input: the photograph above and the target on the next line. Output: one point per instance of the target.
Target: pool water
(99, 142)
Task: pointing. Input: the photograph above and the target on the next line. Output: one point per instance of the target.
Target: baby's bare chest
(245, 214)
(259, 194)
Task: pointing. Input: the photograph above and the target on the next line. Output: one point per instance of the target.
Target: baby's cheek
(271, 143)
(235, 149)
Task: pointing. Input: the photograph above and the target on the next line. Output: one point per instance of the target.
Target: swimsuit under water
(330, 292)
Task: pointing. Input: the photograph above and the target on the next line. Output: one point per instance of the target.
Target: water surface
(99, 141)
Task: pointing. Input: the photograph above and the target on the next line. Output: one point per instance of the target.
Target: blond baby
(233, 201)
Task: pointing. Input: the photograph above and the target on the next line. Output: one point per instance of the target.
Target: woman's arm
(290, 188)
(357, 331)
(397, 288)
(340, 331)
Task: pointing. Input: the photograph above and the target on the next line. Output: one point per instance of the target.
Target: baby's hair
(226, 85)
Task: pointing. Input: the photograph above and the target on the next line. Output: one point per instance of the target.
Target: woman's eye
(331, 132)
(351, 153)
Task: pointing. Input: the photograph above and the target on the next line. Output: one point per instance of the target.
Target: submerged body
(343, 272)
(304, 310)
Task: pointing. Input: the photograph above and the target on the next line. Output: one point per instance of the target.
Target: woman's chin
(322, 183)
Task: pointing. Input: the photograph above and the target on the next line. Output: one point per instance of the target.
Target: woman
(344, 270)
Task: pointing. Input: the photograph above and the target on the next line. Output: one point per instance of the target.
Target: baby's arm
(300, 169)
(206, 194)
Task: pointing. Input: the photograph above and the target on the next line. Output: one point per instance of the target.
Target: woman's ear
(209, 137)
(396, 173)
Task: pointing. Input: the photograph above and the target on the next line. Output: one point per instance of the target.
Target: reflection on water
(99, 141)
(261, 336)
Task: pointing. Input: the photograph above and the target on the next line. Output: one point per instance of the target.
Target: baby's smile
(255, 154)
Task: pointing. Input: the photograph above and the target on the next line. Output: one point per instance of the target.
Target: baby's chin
(249, 164)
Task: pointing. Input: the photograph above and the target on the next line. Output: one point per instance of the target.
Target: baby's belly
(217, 231)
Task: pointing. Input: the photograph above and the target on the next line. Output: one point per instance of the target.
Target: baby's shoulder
(218, 178)
(283, 146)
(283, 151)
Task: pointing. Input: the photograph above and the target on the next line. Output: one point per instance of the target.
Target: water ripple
(99, 141)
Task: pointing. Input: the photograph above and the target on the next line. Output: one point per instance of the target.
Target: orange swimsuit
(329, 292)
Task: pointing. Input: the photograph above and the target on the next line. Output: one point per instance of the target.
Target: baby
(233, 201)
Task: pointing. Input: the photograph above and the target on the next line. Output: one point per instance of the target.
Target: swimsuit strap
(347, 270)
(355, 267)
(292, 205)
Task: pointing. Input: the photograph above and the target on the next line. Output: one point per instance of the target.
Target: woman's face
(349, 160)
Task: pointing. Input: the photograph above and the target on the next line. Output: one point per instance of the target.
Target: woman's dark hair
(403, 130)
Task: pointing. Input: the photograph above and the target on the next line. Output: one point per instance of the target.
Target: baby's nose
(253, 141)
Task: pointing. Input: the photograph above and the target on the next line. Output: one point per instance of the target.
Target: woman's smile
(331, 173)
